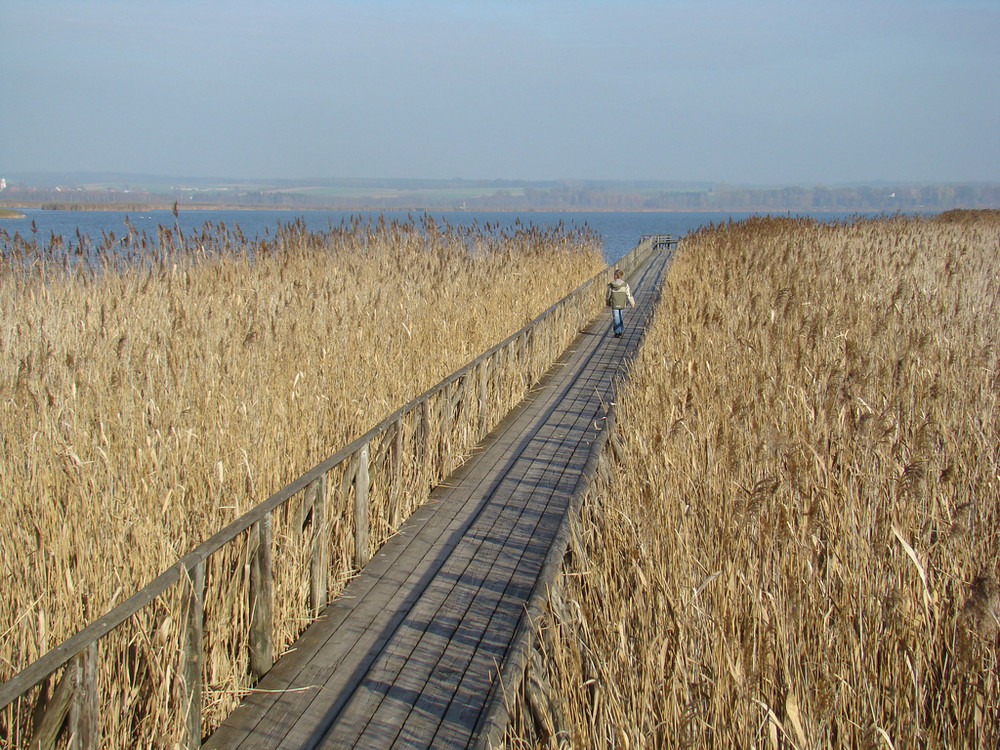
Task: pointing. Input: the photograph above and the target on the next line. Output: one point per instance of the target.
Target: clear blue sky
(743, 91)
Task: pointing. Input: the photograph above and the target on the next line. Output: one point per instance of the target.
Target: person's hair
(619, 273)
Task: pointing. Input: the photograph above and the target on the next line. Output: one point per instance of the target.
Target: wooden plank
(439, 612)
(458, 723)
(478, 670)
(447, 662)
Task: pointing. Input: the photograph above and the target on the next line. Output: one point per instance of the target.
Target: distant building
(3, 184)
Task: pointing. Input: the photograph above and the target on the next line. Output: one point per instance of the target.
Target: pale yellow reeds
(143, 408)
(800, 549)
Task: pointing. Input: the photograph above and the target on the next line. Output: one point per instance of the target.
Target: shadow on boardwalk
(407, 655)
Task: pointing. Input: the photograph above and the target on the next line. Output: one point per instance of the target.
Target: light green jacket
(619, 294)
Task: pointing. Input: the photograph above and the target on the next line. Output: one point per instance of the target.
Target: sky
(757, 92)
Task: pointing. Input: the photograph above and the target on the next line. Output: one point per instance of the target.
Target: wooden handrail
(471, 383)
(660, 240)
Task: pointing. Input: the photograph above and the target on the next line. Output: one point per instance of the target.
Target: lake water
(620, 230)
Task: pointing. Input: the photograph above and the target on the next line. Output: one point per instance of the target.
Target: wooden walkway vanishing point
(407, 655)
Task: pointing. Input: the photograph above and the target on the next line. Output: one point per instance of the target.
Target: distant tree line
(819, 198)
(557, 196)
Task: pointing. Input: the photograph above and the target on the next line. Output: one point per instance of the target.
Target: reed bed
(799, 548)
(153, 389)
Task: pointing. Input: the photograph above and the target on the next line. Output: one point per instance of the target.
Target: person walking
(617, 297)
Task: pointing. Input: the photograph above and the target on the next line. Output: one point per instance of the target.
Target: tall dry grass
(800, 548)
(158, 388)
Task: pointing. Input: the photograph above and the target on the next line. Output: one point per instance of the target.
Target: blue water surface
(620, 230)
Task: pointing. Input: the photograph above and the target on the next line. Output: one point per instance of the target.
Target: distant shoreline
(110, 192)
(10, 213)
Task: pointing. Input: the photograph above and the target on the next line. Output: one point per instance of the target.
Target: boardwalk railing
(167, 665)
(659, 241)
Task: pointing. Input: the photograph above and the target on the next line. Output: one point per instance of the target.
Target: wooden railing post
(445, 421)
(361, 513)
(83, 724)
(423, 445)
(193, 603)
(261, 597)
(319, 566)
(395, 489)
(484, 395)
(75, 696)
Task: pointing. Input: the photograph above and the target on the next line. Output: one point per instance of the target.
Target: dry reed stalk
(810, 462)
(153, 396)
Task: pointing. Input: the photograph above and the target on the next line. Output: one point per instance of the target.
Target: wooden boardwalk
(407, 655)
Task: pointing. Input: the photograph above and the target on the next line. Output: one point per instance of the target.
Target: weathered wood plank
(453, 631)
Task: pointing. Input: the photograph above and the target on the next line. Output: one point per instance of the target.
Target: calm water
(620, 230)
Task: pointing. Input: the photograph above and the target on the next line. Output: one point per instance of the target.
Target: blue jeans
(617, 320)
